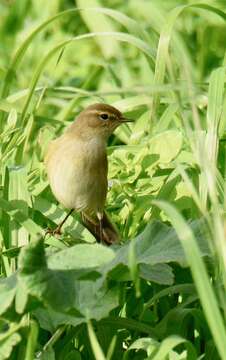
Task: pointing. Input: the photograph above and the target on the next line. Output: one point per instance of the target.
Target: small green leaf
(166, 145)
(7, 345)
(7, 292)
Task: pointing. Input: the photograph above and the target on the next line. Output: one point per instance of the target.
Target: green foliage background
(161, 293)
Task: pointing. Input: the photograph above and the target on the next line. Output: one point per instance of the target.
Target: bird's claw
(53, 232)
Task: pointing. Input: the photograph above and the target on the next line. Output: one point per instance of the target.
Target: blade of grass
(200, 276)
(32, 340)
(97, 351)
(111, 348)
(214, 111)
(133, 268)
(169, 344)
(56, 335)
(141, 45)
(164, 40)
(130, 24)
(183, 288)
(131, 324)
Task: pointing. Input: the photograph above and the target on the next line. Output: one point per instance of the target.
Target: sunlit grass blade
(169, 344)
(111, 348)
(97, 351)
(53, 339)
(32, 341)
(119, 36)
(214, 112)
(116, 15)
(164, 41)
(133, 267)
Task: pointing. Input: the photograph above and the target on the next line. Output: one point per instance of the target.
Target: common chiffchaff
(77, 168)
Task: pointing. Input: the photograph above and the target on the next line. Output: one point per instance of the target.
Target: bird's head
(99, 120)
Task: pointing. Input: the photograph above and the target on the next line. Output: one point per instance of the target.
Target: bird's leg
(58, 228)
(100, 218)
(57, 231)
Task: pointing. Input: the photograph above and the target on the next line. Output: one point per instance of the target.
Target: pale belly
(77, 176)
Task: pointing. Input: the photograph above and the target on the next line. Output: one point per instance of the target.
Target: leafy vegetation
(160, 294)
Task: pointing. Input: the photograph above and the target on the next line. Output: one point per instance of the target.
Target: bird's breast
(77, 172)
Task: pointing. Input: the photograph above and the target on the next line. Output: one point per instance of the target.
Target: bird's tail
(105, 232)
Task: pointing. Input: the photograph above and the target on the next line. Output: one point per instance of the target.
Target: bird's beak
(126, 120)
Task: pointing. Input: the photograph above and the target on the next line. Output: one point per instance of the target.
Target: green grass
(161, 293)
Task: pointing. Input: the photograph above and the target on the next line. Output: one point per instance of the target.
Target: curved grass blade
(141, 45)
(170, 343)
(130, 24)
(164, 40)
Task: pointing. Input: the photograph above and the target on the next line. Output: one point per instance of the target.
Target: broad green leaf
(90, 302)
(50, 319)
(58, 285)
(159, 273)
(81, 257)
(159, 244)
(54, 287)
(95, 301)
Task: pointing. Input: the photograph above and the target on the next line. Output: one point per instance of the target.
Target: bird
(77, 168)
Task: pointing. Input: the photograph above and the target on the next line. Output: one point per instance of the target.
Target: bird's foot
(53, 232)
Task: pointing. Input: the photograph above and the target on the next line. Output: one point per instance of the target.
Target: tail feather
(106, 233)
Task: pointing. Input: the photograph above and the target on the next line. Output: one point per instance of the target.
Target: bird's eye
(104, 116)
